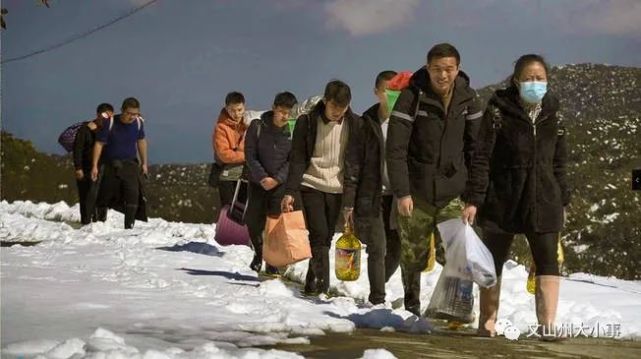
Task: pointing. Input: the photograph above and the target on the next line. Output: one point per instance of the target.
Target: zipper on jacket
(536, 194)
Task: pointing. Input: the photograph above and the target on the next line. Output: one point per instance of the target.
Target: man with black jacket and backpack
(372, 208)
(318, 165)
(82, 158)
(431, 138)
(267, 147)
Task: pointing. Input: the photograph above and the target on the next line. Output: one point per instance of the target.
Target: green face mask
(392, 96)
(291, 123)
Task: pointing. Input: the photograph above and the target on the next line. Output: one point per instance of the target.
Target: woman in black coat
(518, 184)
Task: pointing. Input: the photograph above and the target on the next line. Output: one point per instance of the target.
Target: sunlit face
(281, 115)
(235, 111)
(106, 115)
(334, 112)
(380, 94)
(129, 114)
(443, 72)
(534, 71)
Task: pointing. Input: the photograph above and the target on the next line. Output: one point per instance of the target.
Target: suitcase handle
(236, 192)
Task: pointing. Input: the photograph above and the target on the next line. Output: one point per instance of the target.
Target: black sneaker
(256, 264)
(416, 310)
(322, 287)
(310, 289)
(271, 270)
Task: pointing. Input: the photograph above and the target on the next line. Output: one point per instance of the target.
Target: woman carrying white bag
(518, 183)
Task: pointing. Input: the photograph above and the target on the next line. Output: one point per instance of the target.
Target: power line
(79, 36)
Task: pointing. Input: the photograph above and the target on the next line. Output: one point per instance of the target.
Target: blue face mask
(533, 91)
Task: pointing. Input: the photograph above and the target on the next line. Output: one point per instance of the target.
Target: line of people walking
(393, 173)
(400, 168)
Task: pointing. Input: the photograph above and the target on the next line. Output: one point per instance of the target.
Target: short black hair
(384, 76)
(339, 92)
(234, 97)
(443, 50)
(104, 107)
(285, 99)
(526, 60)
(130, 102)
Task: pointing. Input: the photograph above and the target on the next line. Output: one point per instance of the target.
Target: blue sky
(180, 58)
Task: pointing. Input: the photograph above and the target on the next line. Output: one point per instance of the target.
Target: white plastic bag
(452, 299)
(465, 254)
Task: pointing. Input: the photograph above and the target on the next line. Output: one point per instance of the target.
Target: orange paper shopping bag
(286, 239)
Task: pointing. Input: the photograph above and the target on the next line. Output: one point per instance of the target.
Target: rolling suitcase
(230, 227)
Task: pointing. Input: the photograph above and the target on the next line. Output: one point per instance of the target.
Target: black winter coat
(518, 174)
(83, 148)
(267, 151)
(429, 151)
(368, 150)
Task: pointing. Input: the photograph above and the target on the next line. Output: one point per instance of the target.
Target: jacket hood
(509, 98)
(268, 120)
(372, 113)
(225, 119)
(319, 111)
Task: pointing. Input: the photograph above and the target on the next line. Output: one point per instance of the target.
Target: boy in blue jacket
(267, 147)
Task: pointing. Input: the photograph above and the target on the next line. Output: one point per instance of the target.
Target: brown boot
(489, 305)
(547, 300)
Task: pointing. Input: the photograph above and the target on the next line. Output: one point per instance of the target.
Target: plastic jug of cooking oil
(431, 260)
(347, 264)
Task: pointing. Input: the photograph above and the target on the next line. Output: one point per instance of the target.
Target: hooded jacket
(267, 149)
(428, 148)
(368, 150)
(518, 173)
(229, 140)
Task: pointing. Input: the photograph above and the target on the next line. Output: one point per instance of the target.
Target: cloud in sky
(618, 17)
(608, 17)
(365, 17)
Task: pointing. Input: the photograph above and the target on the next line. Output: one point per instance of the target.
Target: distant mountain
(174, 192)
(601, 107)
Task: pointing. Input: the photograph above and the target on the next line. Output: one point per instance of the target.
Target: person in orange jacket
(229, 145)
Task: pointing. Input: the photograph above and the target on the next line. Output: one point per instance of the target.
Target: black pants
(121, 183)
(87, 192)
(261, 204)
(321, 214)
(392, 240)
(371, 231)
(543, 247)
(84, 186)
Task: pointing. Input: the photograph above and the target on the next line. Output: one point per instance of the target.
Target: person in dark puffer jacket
(82, 156)
(267, 147)
(430, 142)
(372, 208)
(518, 183)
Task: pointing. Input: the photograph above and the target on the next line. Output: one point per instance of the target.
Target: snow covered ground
(167, 290)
